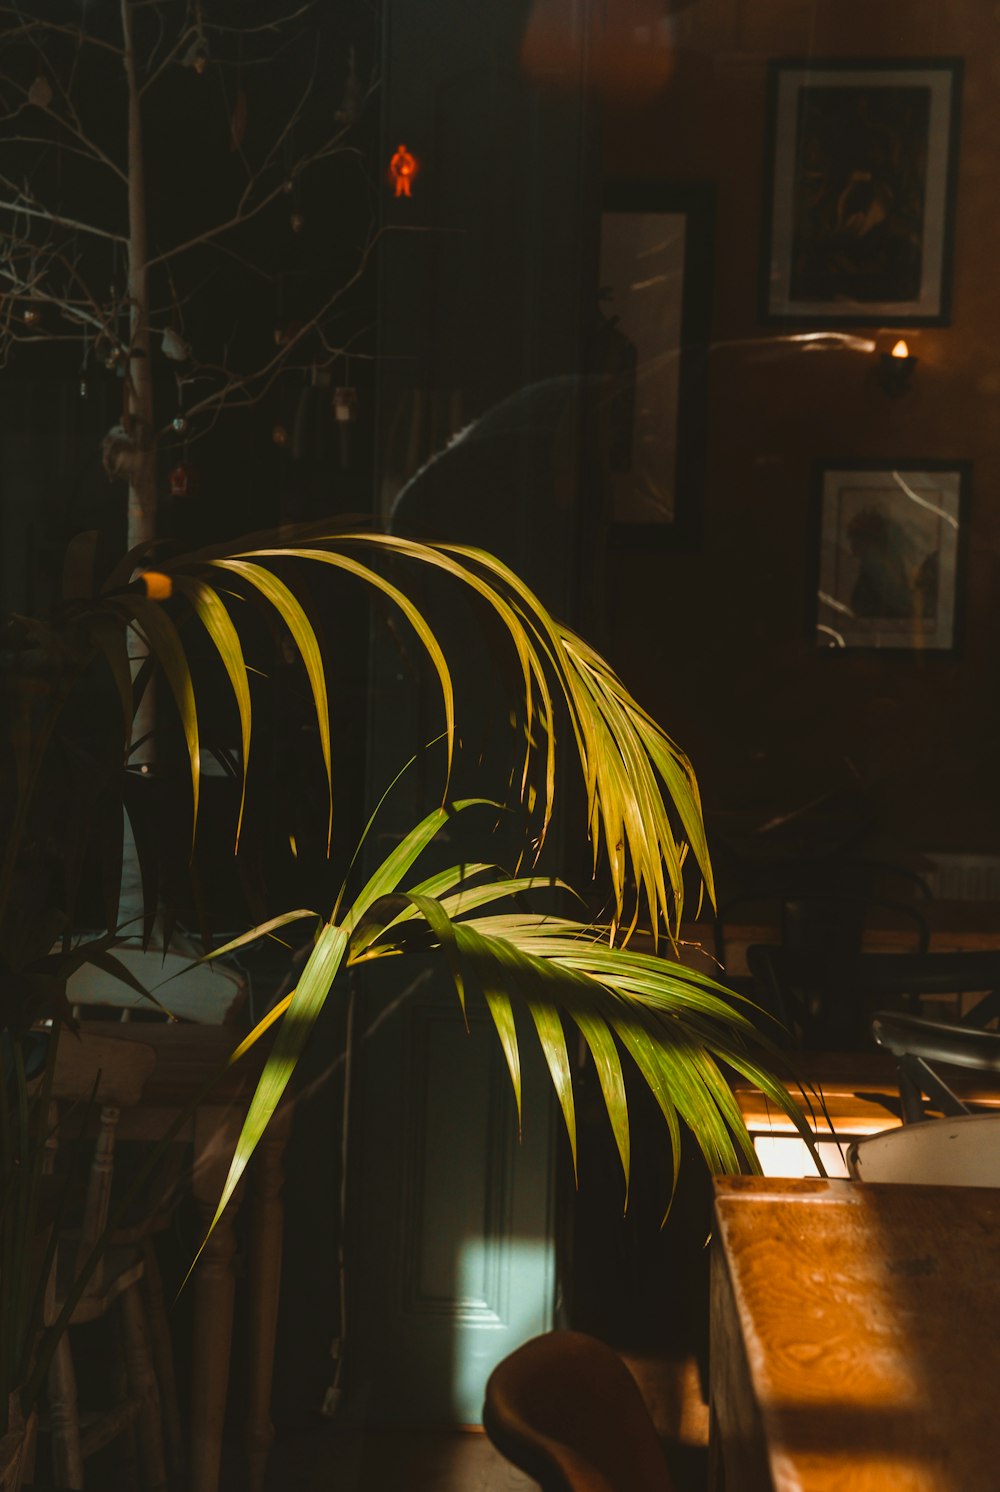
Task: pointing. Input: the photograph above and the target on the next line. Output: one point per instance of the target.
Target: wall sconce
(896, 369)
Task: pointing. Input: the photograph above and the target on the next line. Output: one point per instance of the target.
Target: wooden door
(482, 317)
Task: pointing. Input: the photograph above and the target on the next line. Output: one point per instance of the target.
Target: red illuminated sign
(403, 167)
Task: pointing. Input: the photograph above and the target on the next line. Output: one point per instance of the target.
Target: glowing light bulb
(900, 349)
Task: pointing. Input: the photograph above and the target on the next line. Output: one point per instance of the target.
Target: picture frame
(859, 199)
(889, 542)
(650, 357)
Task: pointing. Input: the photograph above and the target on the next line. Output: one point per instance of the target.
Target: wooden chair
(922, 1047)
(827, 903)
(109, 1074)
(825, 999)
(565, 1409)
(203, 994)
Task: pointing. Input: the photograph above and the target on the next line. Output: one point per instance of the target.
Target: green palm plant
(643, 815)
(678, 1026)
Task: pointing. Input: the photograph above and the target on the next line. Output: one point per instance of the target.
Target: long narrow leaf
(161, 635)
(500, 1008)
(294, 618)
(303, 1010)
(219, 626)
(609, 1074)
(387, 877)
(378, 582)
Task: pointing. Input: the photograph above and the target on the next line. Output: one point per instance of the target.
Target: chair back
(936, 1152)
(565, 1409)
(827, 903)
(826, 998)
(920, 1047)
(109, 1074)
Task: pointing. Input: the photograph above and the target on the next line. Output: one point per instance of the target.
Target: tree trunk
(140, 413)
(140, 422)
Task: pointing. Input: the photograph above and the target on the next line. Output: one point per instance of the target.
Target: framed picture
(860, 191)
(649, 353)
(891, 546)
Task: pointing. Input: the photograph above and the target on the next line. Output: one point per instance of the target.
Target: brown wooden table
(855, 1343)
(187, 1056)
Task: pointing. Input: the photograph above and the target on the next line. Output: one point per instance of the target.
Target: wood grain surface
(855, 1340)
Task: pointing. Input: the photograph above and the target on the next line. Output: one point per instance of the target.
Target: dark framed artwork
(890, 540)
(649, 360)
(859, 199)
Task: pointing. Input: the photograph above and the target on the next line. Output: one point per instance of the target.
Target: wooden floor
(398, 1459)
(330, 1458)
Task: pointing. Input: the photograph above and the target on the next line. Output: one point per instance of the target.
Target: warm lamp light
(626, 51)
(896, 369)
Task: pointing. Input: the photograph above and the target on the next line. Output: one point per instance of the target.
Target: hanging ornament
(84, 388)
(106, 350)
(174, 346)
(296, 222)
(345, 412)
(238, 121)
(279, 434)
(353, 98)
(286, 334)
(403, 167)
(40, 93)
(345, 405)
(118, 453)
(179, 424)
(196, 55)
(184, 479)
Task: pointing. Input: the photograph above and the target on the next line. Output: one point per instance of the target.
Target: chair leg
(142, 1382)
(67, 1460)
(128, 1441)
(163, 1360)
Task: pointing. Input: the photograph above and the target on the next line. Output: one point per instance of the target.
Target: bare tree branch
(87, 155)
(243, 216)
(35, 24)
(182, 43)
(48, 216)
(47, 255)
(276, 25)
(255, 385)
(72, 125)
(276, 145)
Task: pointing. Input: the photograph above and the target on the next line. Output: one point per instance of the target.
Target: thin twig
(81, 37)
(48, 216)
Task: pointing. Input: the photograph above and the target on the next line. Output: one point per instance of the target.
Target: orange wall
(716, 641)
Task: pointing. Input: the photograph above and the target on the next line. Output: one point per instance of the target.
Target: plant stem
(140, 413)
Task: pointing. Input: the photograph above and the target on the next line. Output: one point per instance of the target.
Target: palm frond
(643, 809)
(165, 644)
(681, 1029)
(293, 615)
(215, 618)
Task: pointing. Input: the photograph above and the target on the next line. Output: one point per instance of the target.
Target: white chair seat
(937, 1152)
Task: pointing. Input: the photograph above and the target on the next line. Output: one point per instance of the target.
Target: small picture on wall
(891, 542)
(861, 162)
